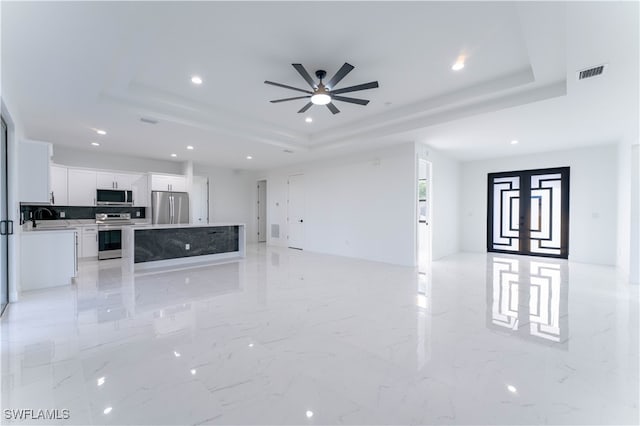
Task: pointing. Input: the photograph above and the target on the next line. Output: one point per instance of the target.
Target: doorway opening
(424, 207)
(262, 211)
(528, 212)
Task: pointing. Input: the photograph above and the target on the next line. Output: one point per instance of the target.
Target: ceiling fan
(325, 94)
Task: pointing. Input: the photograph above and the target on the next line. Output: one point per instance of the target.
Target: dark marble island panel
(162, 244)
(149, 247)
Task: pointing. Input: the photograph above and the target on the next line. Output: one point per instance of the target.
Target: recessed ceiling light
(189, 147)
(249, 157)
(107, 410)
(101, 132)
(514, 142)
(174, 155)
(95, 144)
(459, 64)
(512, 389)
(101, 381)
(196, 79)
(308, 119)
(176, 354)
(193, 371)
(309, 414)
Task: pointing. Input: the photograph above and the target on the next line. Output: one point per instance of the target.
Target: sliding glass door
(6, 227)
(528, 212)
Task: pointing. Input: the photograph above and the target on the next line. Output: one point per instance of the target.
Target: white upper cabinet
(59, 190)
(174, 183)
(110, 180)
(141, 193)
(82, 187)
(33, 172)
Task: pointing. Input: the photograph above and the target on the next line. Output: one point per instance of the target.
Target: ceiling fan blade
(289, 99)
(364, 86)
(306, 107)
(344, 70)
(287, 87)
(332, 108)
(350, 100)
(303, 72)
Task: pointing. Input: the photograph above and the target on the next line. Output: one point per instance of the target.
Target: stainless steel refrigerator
(169, 207)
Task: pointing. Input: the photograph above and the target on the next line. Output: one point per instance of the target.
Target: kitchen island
(147, 247)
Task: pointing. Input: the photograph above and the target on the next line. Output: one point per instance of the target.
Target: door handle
(3, 227)
(53, 200)
(10, 230)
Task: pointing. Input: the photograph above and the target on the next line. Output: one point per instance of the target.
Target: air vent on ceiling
(591, 72)
(288, 151)
(148, 120)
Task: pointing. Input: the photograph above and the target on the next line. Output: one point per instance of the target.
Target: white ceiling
(69, 68)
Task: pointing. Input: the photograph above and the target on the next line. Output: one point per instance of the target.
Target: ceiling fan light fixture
(320, 99)
(321, 94)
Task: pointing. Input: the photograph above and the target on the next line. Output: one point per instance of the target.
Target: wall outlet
(187, 246)
(62, 215)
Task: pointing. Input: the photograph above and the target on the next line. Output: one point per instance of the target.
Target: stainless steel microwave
(114, 197)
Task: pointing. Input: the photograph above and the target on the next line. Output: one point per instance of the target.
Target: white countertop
(185, 225)
(44, 230)
(69, 224)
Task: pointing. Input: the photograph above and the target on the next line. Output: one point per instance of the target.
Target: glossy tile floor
(290, 337)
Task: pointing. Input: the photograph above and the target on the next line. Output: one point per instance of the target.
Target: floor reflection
(528, 298)
(423, 302)
(108, 295)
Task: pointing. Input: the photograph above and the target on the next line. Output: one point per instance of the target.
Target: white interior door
(296, 211)
(262, 211)
(424, 215)
(200, 200)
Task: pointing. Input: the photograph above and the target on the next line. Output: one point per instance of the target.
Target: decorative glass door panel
(528, 212)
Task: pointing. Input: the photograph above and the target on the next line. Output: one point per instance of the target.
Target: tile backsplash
(76, 212)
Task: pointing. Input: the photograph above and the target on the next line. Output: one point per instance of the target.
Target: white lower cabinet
(89, 242)
(48, 258)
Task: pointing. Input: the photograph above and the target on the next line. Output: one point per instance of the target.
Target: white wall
(445, 201)
(359, 206)
(95, 159)
(634, 268)
(593, 199)
(232, 196)
(623, 254)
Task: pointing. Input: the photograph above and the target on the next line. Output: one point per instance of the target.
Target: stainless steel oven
(110, 234)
